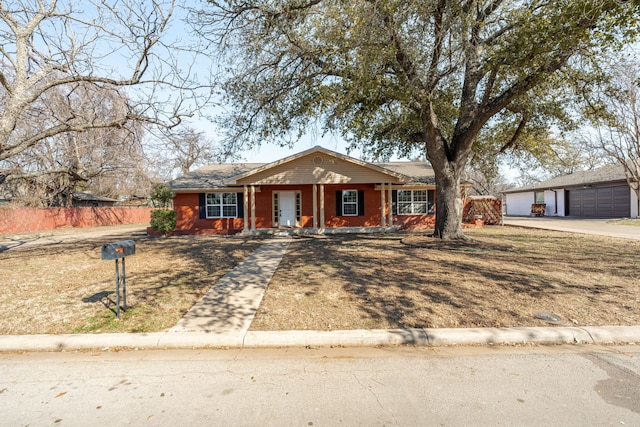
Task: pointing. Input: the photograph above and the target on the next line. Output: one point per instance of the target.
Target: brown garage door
(605, 202)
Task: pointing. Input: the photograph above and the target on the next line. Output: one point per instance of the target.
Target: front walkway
(232, 302)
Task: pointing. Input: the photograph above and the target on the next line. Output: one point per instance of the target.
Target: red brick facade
(189, 222)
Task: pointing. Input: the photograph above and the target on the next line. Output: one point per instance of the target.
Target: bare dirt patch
(66, 288)
(500, 279)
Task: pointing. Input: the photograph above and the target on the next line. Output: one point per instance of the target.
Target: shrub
(161, 195)
(163, 220)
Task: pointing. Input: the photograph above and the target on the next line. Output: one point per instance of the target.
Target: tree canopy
(69, 68)
(394, 76)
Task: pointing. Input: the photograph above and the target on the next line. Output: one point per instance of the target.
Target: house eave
(234, 179)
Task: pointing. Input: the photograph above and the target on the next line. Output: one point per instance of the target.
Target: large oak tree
(395, 75)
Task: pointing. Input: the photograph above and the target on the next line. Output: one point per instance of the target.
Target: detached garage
(599, 202)
(598, 193)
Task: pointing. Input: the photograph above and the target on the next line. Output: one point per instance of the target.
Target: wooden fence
(24, 220)
(490, 210)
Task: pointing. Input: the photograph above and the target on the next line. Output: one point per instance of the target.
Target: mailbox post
(116, 251)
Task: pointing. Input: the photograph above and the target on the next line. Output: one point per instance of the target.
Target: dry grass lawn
(66, 288)
(502, 278)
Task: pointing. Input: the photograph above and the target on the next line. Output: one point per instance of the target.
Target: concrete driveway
(600, 227)
(69, 235)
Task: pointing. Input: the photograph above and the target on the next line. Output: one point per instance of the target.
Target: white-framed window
(412, 202)
(538, 197)
(349, 202)
(222, 205)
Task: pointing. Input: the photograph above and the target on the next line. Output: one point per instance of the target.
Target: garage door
(605, 202)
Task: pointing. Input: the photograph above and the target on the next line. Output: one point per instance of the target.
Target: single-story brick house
(598, 193)
(315, 191)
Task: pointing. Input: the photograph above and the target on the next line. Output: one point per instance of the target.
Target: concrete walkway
(231, 304)
(598, 227)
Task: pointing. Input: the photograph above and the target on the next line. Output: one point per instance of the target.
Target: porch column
(321, 205)
(253, 207)
(245, 202)
(315, 205)
(383, 213)
(390, 212)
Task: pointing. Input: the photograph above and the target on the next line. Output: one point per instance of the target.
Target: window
(349, 203)
(414, 202)
(222, 205)
(539, 197)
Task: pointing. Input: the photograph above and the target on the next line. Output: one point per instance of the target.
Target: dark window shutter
(202, 199)
(240, 205)
(338, 203)
(394, 202)
(360, 202)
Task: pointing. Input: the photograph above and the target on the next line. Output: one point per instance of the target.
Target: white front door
(287, 209)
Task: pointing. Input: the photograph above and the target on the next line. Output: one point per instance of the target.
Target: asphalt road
(530, 386)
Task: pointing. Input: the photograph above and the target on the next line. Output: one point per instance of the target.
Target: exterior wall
(188, 218)
(264, 204)
(371, 216)
(24, 220)
(519, 203)
(562, 199)
(414, 222)
(635, 206)
(188, 221)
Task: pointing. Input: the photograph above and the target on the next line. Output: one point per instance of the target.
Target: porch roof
(298, 168)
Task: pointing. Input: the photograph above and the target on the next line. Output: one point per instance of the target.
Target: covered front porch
(317, 208)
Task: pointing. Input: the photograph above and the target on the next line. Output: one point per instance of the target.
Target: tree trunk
(449, 203)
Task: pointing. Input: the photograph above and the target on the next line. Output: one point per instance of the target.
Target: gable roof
(605, 174)
(225, 175)
(318, 150)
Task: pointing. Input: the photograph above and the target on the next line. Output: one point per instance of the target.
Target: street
(494, 385)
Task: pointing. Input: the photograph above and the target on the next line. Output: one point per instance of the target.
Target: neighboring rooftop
(604, 174)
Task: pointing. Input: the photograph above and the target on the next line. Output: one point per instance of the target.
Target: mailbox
(117, 250)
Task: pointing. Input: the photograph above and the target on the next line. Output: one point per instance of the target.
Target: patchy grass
(66, 288)
(629, 221)
(501, 279)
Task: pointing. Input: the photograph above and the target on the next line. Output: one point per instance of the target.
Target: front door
(287, 209)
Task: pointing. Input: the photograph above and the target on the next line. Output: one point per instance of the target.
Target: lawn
(502, 278)
(66, 288)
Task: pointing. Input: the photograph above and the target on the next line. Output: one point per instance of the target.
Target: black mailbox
(117, 250)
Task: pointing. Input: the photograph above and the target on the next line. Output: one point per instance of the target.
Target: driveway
(600, 227)
(69, 235)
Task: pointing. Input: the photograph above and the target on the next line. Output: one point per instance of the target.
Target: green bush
(163, 220)
(161, 195)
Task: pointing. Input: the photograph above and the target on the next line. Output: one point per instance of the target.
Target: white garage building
(597, 193)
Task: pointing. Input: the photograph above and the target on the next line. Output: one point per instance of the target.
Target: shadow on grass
(409, 287)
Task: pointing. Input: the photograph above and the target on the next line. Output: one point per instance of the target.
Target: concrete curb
(350, 338)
